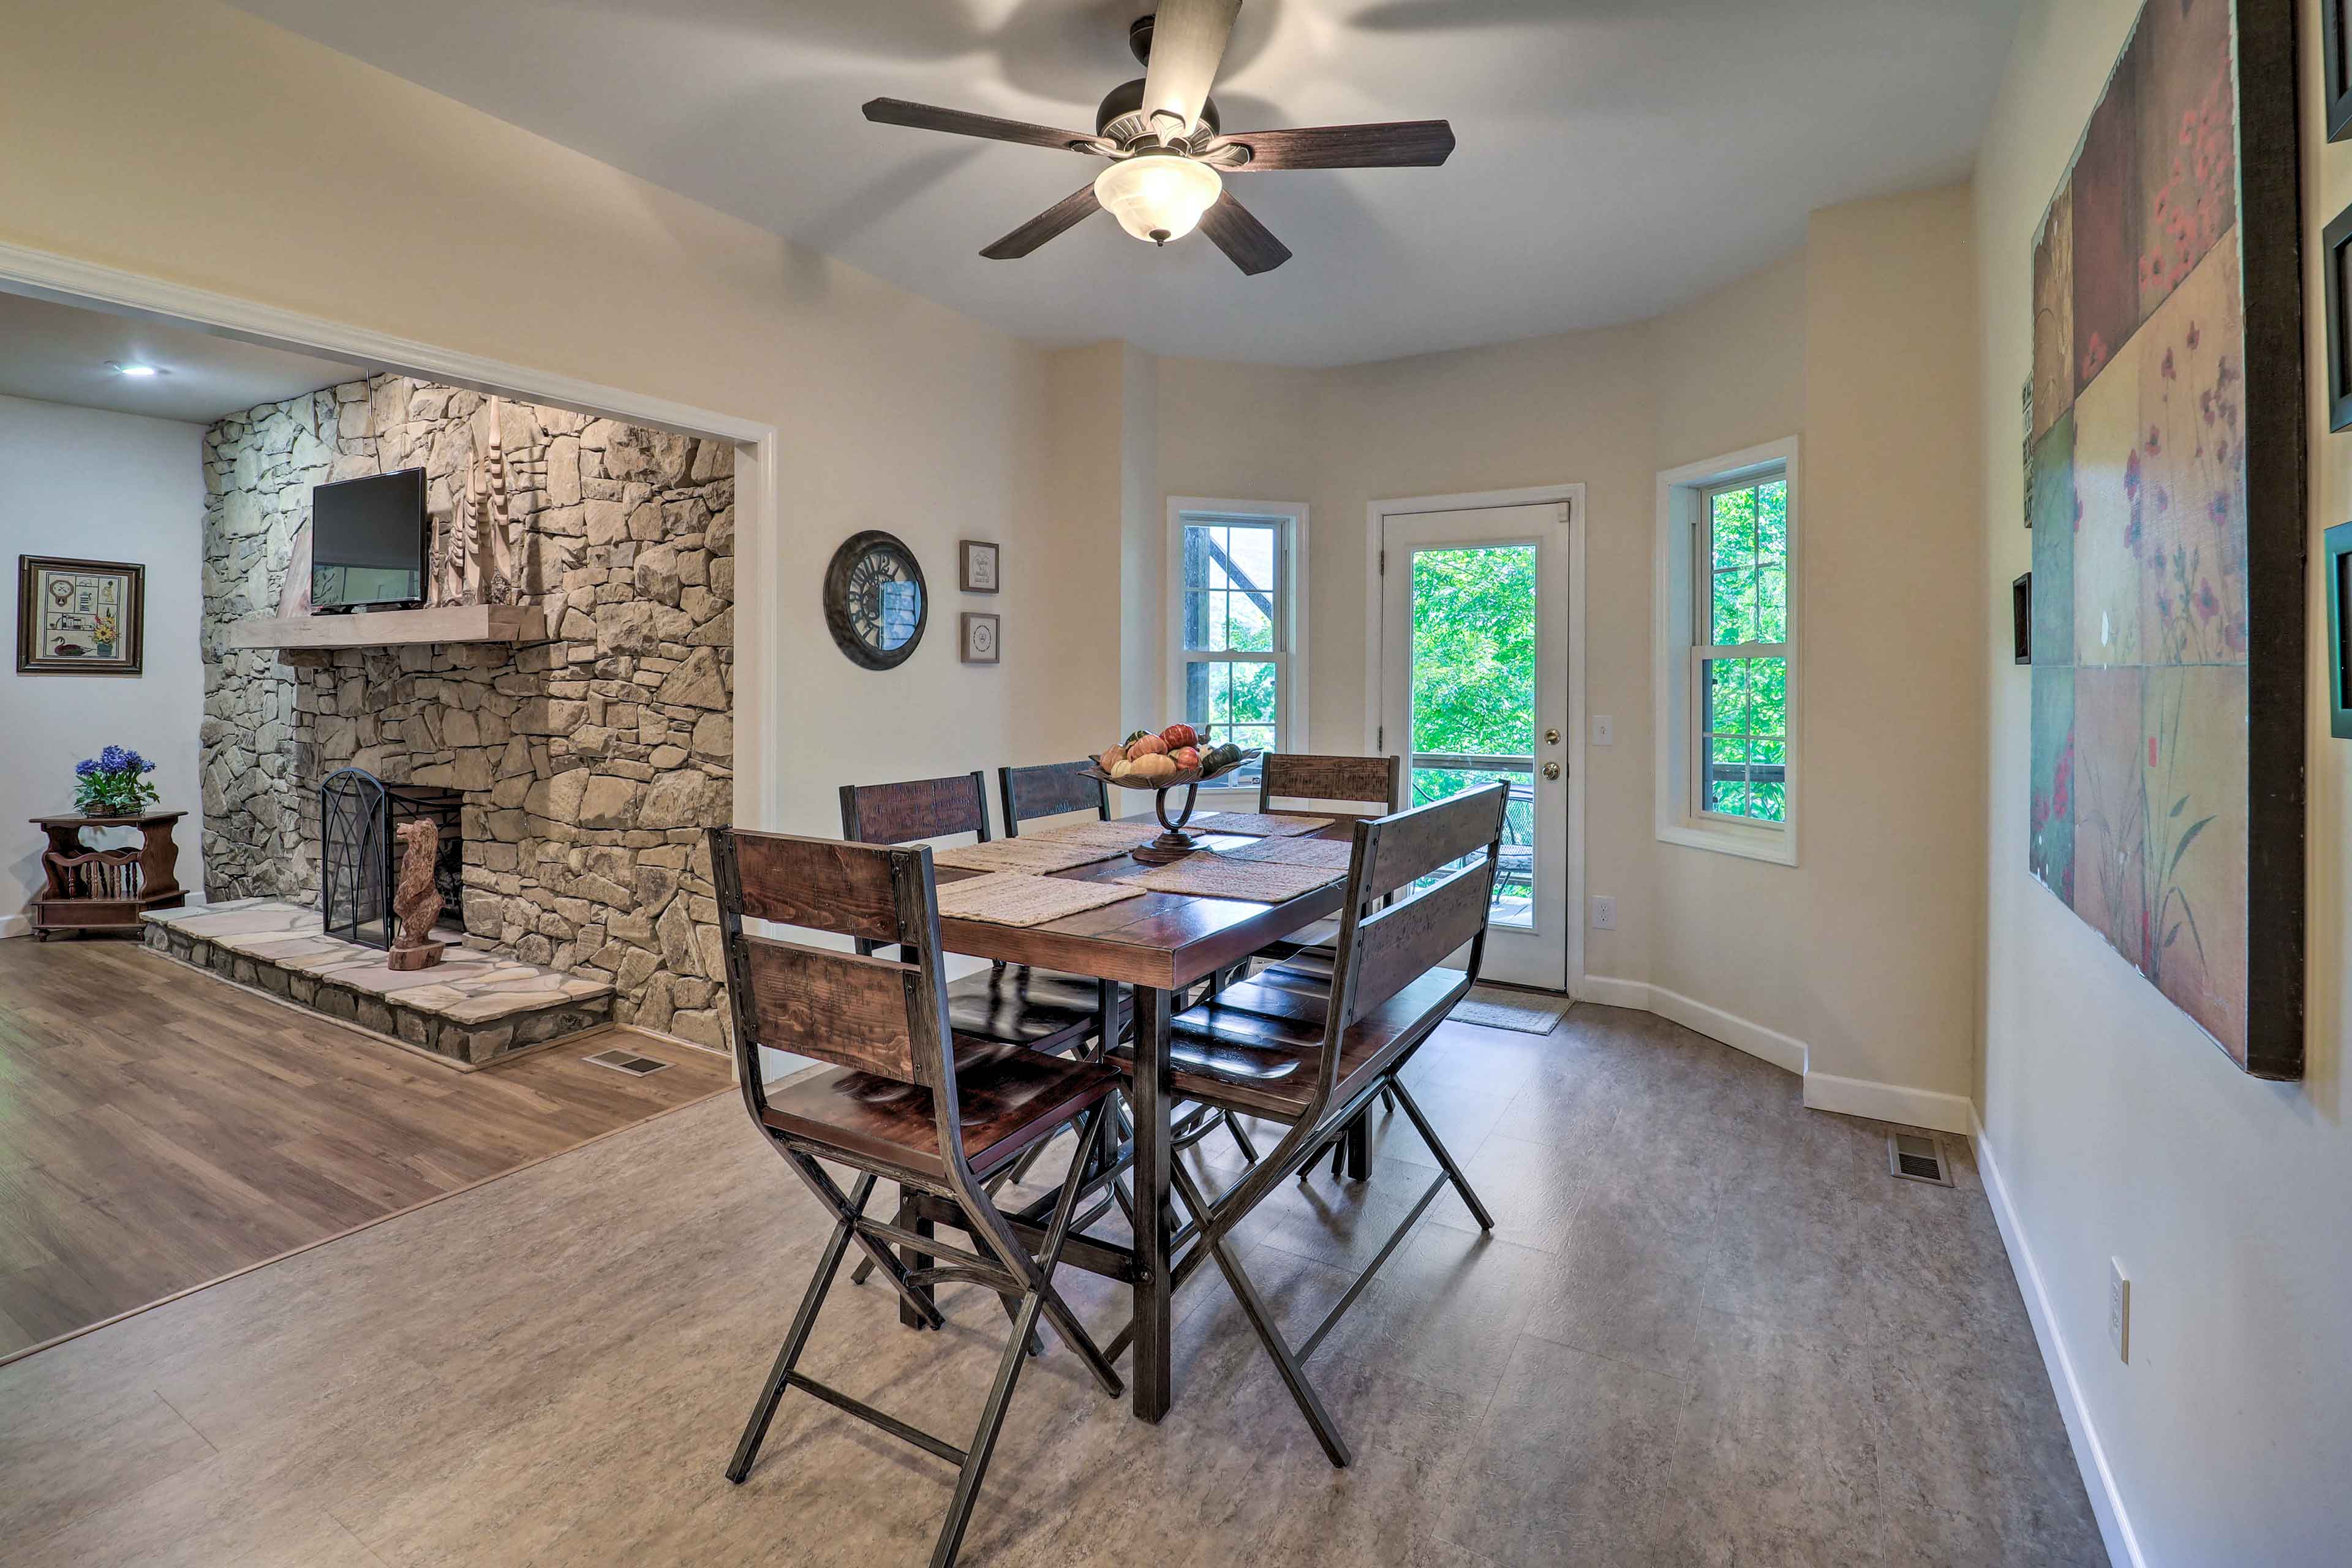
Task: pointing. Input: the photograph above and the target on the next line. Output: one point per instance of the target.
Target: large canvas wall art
(2166, 454)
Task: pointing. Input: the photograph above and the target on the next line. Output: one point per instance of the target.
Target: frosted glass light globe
(1158, 196)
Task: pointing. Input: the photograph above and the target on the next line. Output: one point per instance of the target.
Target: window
(1739, 658)
(1727, 620)
(1235, 625)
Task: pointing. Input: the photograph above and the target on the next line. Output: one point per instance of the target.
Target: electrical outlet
(1604, 730)
(1605, 912)
(2119, 1310)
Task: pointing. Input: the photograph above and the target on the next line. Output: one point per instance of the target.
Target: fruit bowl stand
(1174, 844)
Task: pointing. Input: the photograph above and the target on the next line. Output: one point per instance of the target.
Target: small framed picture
(2021, 610)
(979, 637)
(2336, 279)
(977, 559)
(79, 617)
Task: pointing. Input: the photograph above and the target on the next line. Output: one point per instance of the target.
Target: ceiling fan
(1168, 154)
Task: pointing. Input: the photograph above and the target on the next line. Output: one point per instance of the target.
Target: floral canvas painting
(2139, 452)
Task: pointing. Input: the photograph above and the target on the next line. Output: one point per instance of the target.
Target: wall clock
(875, 602)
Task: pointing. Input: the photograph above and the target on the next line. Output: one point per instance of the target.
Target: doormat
(1524, 1012)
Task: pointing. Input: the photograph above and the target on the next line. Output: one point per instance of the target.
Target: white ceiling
(1616, 157)
(62, 354)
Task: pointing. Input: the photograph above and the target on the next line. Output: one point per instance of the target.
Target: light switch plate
(1604, 730)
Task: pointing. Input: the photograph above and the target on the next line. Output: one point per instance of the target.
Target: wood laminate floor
(1708, 1329)
(160, 1128)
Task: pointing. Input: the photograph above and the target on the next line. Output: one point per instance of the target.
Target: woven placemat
(1256, 824)
(1016, 898)
(1221, 876)
(1035, 856)
(1125, 833)
(1334, 853)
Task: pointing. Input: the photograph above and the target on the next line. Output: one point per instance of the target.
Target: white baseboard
(1823, 1091)
(2090, 1454)
(14, 925)
(1888, 1102)
(1782, 1051)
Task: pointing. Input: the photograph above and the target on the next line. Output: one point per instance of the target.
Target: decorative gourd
(1153, 765)
(1185, 757)
(1180, 735)
(1146, 745)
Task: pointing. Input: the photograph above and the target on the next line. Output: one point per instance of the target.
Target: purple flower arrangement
(111, 784)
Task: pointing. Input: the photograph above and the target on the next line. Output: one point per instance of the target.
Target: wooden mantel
(394, 628)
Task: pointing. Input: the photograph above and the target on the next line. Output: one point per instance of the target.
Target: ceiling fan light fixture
(1158, 194)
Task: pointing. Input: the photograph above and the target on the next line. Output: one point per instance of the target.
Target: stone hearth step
(472, 1007)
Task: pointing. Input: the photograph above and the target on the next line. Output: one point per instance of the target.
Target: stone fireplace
(588, 765)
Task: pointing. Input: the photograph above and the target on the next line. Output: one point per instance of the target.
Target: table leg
(1154, 1315)
(1359, 1148)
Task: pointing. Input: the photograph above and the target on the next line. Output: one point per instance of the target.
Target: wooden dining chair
(1298, 776)
(1314, 1061)
(904, 1098)
(1016, 1002)
(1050, 789)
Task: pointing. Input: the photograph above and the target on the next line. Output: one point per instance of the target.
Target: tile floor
(1708, 1329)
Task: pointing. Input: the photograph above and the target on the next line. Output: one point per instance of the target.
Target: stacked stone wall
(590, 763)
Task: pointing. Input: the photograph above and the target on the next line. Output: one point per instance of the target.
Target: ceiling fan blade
(1188, 42)
(958, 123)
(1391, 144)
(1238, 233)
(1067, 213)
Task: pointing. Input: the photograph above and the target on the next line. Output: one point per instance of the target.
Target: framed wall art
(79, 617)
(977, 559)
(2335, 290)
(2335, 68)
(979, 632)
(2170, 618)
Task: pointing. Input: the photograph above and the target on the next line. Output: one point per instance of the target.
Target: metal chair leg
(983, 1438)
(755, 1431)
(1261, 1317)
(1444, 1157)
(1241, 1139)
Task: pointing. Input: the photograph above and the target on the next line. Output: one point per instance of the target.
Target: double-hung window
(1727, 617)
(1740, 654)
(1235, 625)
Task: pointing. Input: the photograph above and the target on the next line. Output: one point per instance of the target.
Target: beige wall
(1828, 344)
(192, 143)
(2118, 1128)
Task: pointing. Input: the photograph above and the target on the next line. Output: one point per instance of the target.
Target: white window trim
(1673, 610)
(1290, 711)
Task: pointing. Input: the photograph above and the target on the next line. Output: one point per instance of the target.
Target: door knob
(1551, 770)
(1551, 737)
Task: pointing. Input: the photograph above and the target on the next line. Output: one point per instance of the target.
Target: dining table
(1158, 944)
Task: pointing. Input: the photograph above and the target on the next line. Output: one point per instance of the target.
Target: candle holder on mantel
(1173, 844)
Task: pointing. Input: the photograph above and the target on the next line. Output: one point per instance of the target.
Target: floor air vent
(1913, 1157)
(628, 1062)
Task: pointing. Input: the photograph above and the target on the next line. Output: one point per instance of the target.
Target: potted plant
(111, 784)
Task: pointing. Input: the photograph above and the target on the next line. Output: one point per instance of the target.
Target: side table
(106, 889)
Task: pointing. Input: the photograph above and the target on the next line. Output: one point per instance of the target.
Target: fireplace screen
(359, 850)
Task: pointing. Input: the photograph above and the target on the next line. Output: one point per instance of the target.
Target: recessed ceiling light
(133, 367)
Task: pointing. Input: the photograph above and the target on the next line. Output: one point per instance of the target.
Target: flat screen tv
(368, 543)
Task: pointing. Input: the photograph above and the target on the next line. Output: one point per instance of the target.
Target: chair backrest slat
(1296, 775)
(1429, 837)
(916, 808)
(818, 884)
(837, 1007)
(1050, 789)
(1400, 944)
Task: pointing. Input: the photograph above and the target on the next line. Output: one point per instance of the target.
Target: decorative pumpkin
(1185, 756)
(1146, 745)
(1121, 768)
(1111, 758)
(1180, 735)
(1153, 765)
